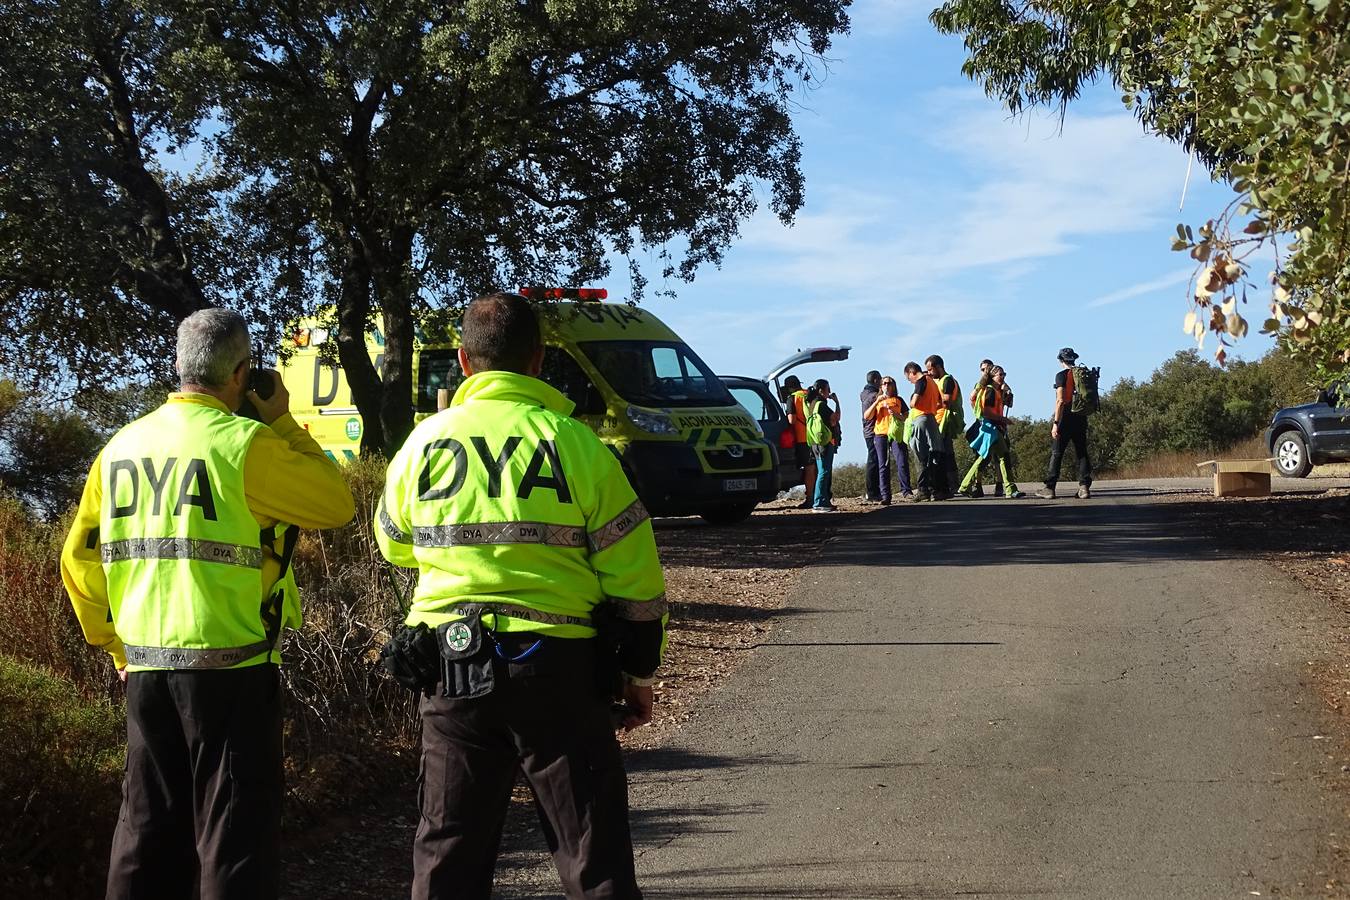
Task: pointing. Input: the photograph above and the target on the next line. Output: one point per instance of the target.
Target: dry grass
(349, 729)
(37, 625)
(1183, 465)
(346, 720)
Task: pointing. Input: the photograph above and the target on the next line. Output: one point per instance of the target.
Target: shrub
(343, 711)
(62, 759)
(37, 624)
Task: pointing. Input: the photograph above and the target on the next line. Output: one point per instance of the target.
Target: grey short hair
(211, 343)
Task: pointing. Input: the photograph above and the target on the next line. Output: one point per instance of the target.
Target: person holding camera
(886, 412)
(822, 436)
(177, 565)
(540, 600)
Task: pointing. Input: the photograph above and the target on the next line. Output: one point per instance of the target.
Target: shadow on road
(1065, 531)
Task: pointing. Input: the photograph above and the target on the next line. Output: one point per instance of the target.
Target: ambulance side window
(563, 372)
(436, 369)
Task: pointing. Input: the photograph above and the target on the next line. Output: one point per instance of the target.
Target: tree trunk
(394, 290)
(362, 378)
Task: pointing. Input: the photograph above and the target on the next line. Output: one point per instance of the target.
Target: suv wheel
(1291, 455)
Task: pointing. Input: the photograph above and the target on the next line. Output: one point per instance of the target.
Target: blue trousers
(824, 475)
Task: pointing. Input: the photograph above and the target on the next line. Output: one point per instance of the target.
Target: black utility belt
(463, 657)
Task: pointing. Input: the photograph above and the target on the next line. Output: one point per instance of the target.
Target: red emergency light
(557, 293)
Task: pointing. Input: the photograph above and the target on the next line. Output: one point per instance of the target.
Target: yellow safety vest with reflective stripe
(504, 500)
(181, 551)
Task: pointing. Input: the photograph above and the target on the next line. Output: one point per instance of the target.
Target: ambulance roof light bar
(557, 293)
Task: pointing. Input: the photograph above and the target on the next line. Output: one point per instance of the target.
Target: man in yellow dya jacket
(177, 565)
(527, 536)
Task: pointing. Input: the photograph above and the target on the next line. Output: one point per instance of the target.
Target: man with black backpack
(1075, 399)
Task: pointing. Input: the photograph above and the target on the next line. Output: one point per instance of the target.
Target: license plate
(740, 484)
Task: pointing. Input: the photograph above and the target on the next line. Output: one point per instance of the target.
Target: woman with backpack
(821, 423)
(887, 416)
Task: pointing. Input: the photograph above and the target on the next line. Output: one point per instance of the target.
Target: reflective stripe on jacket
(504, 499)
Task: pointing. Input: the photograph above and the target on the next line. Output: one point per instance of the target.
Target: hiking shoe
(805, 504)
(907, 495)
(921, 497)
(1084, 492)
(978, 491)
(968, 494)
(1045, 494)
(1016, 495)
(830, 508)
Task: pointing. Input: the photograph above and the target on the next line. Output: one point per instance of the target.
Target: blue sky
(934, 223)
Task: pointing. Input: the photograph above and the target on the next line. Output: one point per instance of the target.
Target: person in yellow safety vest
(177, 564)
(991, 441)
(985, 380)
(946, 480)
(796, 416)
(540, 601)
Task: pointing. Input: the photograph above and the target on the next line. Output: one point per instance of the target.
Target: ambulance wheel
(729, 515)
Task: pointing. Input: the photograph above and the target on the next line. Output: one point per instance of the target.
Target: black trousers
(547, 719)
(1072, 429)
(201, 800)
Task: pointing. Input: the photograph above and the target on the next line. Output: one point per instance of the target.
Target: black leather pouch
(466, 657)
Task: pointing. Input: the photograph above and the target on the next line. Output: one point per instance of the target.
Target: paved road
(1007, 698)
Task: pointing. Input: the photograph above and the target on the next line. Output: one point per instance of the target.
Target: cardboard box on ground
(1240, 477)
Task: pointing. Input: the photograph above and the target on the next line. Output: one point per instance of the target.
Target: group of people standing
(930, 421)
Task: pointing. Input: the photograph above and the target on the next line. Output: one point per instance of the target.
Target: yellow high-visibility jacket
(503, 499)
(166, 553)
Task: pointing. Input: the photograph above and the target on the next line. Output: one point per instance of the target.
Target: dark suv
(1300, 437)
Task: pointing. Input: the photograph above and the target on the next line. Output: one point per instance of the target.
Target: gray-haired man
(176, 565)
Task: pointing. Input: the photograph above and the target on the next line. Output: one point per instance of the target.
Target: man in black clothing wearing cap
(1067, 426)
(868, 398)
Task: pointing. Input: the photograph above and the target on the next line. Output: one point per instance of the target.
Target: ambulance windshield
(657, 373)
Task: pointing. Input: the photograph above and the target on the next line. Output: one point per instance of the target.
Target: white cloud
(1015, 192)
(1140, 290)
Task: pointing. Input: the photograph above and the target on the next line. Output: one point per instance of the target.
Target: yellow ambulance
(687, 446)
